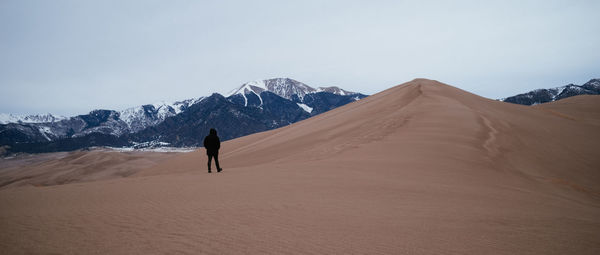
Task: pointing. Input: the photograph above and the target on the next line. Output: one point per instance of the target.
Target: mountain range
(253, 107)
(540, 96)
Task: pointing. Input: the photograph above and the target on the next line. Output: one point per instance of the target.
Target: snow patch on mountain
(6, 118)
(152, 149)
(305, 107)
(286, 88)
(592, 84)
(335, 90)
(255, 87)
(45, 131)
(140, 117)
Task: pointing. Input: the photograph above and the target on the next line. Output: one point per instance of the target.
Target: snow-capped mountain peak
(540, 96)
(335, 90)
(140, 117)
(284, 87)
(6, 118)
(592, 84)
(255, 87)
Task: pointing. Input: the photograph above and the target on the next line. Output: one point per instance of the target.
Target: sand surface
(48, 169)
(421, 168)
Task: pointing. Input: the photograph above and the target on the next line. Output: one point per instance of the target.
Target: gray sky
(69, 57)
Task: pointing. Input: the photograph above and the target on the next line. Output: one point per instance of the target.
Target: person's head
(213, 131)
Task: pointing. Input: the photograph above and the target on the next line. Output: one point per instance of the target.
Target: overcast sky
(69, 57)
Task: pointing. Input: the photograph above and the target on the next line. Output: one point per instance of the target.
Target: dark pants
(216, 156)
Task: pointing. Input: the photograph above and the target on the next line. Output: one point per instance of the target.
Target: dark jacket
(212, 143)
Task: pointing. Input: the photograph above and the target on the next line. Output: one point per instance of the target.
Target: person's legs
(217, 162)
(209, 161)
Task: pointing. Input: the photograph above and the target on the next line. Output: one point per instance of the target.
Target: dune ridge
(420, 168)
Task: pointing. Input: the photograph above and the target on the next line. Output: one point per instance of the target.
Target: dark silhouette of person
(212, 145)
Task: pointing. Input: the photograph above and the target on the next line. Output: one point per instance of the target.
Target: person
(212, 145)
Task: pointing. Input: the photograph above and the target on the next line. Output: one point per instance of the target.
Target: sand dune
(421, 168)
(79, 166)
(580, 108)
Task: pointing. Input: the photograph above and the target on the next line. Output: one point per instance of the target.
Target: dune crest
(434, 120)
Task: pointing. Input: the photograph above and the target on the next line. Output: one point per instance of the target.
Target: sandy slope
(420, 168)
(582, 108)
(78, 166)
